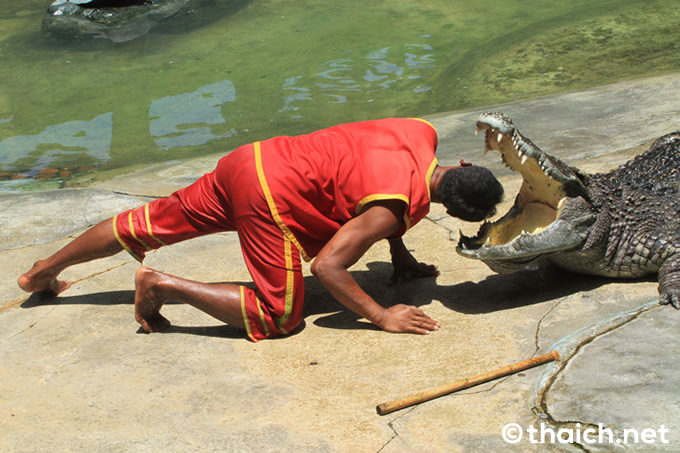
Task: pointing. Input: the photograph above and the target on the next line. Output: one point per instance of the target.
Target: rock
(110, 3)
(118, 21)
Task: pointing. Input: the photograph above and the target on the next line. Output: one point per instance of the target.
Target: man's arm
(378, 221)
(405, 265)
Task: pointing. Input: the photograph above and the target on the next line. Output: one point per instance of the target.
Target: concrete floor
(77, 375)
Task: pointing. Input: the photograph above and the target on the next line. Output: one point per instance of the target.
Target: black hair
(470, 193)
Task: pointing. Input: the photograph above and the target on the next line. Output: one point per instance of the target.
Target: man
(328, 195)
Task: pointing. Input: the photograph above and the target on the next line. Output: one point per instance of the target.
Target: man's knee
(268, 316)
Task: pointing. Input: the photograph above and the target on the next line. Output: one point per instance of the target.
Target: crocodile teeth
(500, 136)
(462, 243)
(524, 159)
(488, 241)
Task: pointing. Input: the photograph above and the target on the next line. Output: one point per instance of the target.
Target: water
(244, 70)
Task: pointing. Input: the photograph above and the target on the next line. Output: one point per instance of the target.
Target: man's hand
(378, 221)
(406, 319)
(406, 266)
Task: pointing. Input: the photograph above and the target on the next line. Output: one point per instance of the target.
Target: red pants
(228, 199)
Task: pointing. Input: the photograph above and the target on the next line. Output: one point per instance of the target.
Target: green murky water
(244, 70)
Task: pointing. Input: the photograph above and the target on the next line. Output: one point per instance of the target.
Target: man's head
(469, 192)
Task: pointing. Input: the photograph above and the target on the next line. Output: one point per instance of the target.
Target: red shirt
(315, 183)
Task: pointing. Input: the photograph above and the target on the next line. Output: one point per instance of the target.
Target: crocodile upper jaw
(534, 225)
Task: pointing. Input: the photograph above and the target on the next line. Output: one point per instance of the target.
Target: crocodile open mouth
(529, 227)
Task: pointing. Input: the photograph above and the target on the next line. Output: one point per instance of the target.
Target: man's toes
(154, 323)
(145, 325)
(166, 324)
(58, 287)
(160, 323)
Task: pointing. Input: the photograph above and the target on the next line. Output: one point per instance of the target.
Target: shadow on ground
(494, 293)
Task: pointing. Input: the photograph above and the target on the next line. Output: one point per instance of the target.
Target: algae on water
(246, 70)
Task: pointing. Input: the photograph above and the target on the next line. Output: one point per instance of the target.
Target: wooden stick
(427, 395)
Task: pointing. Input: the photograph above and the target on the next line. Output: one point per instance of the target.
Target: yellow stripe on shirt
(426, 122)
(122, 243)
(290, 281)
(148, 225)
(379, 196)
(244, 313)
(428, 176)
(270, 202)
(132, 231)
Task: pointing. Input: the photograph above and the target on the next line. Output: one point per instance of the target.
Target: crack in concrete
(396, 434)
(57, 303)
(12, 304)
(136, 195)
(537, 333)
(435, 221)
(70, 237)
(390, 424)
(578, 342)
(569, 347)
(96, 274)
(33, 324)
(408, 410)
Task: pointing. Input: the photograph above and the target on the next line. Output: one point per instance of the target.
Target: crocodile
(624, 223)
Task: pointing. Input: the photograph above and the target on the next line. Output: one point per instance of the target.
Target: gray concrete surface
(76, 374)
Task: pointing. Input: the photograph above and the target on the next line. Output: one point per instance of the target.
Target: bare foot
(147, 303)
(42, 278)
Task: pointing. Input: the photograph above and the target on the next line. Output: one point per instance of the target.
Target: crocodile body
(624, 223)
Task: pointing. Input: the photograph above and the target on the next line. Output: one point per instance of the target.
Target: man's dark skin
(378, 220)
